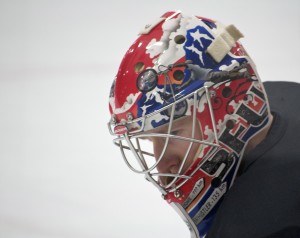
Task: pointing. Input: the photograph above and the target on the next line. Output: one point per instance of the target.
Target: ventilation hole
(179, 39)
(139, 66)
(216, 182)
(178, 75)
(227, 92)
(230, 124)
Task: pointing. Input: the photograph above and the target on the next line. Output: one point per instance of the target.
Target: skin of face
(177, 148)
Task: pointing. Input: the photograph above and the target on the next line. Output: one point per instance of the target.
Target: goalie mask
(184, 104)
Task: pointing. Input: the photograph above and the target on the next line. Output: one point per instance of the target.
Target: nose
(169, 158)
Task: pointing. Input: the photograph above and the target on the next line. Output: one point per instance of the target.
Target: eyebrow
(164, 128)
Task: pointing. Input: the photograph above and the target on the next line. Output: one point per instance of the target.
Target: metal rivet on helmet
(177, 193)
(129, 116)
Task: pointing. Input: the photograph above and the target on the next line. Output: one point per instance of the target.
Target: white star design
(198, 52)
(197, 37)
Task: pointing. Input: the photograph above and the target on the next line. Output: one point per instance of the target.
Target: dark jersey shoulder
(264, 201)
(283, 96)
